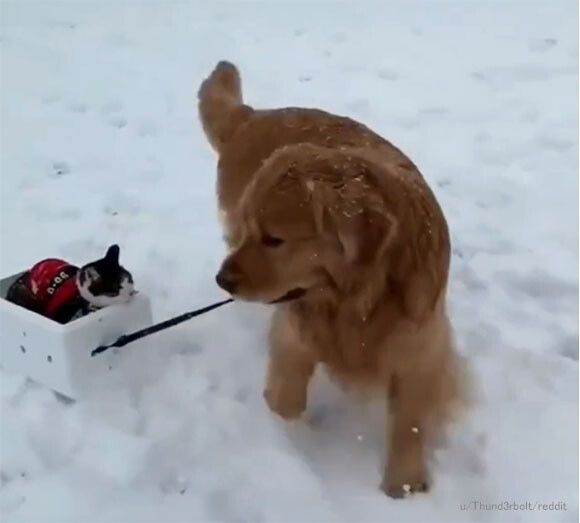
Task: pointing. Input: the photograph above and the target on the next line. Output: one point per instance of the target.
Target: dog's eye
(271, 241)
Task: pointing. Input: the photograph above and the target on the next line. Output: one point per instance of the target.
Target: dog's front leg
(290, 368)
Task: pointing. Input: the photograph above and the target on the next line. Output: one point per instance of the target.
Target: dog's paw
(402, 490)
(285, 403)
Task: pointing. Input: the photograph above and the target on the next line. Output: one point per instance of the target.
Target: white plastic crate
(59, 356)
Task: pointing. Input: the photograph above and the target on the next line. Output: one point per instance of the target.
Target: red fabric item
(53, 283)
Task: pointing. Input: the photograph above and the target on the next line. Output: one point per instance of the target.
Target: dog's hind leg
(405, 468)
(422, 400)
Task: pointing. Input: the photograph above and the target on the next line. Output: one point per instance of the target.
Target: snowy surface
(100, 143)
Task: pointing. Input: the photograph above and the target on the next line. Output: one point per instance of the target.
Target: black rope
(129, 338)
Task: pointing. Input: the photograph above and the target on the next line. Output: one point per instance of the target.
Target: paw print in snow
(60, 168)
(117, 121)
(542, 45)
(78, 108)
(386, 74)
(111, 112)
(50, 98)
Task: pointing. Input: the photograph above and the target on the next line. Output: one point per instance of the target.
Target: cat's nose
(229, 277)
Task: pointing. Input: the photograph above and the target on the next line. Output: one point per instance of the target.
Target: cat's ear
(112, 256)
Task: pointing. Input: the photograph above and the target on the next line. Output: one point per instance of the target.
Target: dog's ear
(354, 213)
(343, 190)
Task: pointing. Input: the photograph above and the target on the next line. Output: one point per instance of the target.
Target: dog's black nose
(228, 278)
(226, 283)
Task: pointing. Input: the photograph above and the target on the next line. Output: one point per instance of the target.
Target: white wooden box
(59, 356)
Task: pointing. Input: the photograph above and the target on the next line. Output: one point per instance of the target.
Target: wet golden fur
(321, 204)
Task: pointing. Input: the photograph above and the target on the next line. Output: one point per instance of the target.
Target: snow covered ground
(100, 143)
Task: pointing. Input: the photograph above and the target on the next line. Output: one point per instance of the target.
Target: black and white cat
(63, 292)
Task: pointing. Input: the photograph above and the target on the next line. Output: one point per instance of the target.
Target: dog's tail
(220, 104)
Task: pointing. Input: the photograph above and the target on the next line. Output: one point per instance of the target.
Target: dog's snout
(228, 277)
(226, 282)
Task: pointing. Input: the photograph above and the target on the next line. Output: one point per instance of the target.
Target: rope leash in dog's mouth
(129, 338)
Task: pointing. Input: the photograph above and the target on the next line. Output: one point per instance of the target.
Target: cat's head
(105, 282)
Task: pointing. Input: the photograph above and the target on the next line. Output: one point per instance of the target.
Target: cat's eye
(271, 241)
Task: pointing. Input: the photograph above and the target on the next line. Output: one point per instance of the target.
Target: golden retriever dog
(338, 229)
